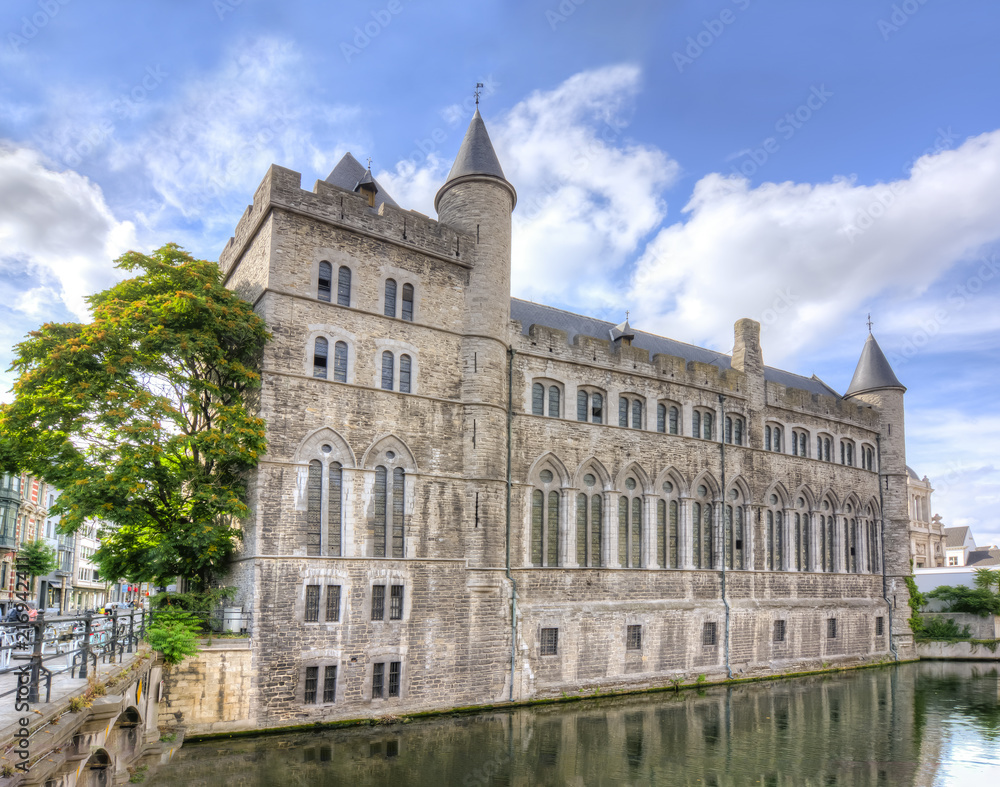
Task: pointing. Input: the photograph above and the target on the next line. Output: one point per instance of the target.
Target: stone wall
(209, 692)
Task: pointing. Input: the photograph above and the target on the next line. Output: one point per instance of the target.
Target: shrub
(174, 633)
(944, 629)
(976, 601)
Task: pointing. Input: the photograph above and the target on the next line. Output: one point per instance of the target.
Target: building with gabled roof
(469, 498)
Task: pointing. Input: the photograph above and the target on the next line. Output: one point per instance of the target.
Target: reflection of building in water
(860, 729)
(424, 428)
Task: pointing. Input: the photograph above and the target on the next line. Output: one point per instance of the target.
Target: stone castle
(470, 499)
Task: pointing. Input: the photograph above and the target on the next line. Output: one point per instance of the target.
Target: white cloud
(813, 253)
(587, 194)
(56, 228)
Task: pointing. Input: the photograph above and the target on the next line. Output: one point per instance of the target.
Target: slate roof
(475, 156)
(529, 314)
(349, 172)
(873, 371)
(912, 473)
(955, 536)
(984, 557)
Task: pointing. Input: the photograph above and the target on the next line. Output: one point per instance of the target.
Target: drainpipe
(881, 519)
(511, 352)
(722, 455)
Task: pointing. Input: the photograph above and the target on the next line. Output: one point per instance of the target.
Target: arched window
(852, 551)
(553, 401)
(387, 370)
(775, 535)
(589, 509)
(802, 536)
(734, 428)
(828, 524)
(661, 418)
(799, 443)
(667, 418)
(390, 298)
(673, 419)
(767, 438)
(734, 537)
(320, 349)
(636, 414)
(407, 302)
(320, 517)
(344, 286)
(405, 364)
(703, 424)
(589, 403)
(823, 448)
(777, 439)
(538, 399)
(622, 411)
(325, 284)
(847, 453)
(340, 362)
(389, 512)
(630, 526)
(667, 517)
(545, 525)
(702, 541)
(695, 423)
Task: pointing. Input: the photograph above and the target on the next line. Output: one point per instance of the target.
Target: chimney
(747, 356)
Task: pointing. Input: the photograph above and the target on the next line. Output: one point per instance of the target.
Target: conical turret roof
(476, 157)
(873, 371)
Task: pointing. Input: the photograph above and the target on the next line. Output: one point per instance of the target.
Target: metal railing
(37, 648)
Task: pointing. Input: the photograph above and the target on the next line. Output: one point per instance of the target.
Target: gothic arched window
(630, 526)
(589, 510)
(545, 523)
(388, 534)
(322, 517)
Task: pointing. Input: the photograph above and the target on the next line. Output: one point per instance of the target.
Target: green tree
(142, 417)
(975, 601)
(36, 559)
(986, 578)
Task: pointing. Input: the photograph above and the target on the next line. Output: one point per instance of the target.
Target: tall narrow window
(674, 420)
(674, 541)
(802, 445)
(394, 678)
(538, 399)
(738, 431)
(553, 401)
(333, 603)
(588, 530)
(312, 603)
(597, 409)
(661, 418)
(344, 286)
(830, 525)
(407, 302)
(325, 281)
(378, 602)
(729, 429)
(544, 528)
(312, 678)
(707, 537)
(378, 679)
(381, 494)
(636, 414)
(767, 438)
(387, 370)
(582, 405)
(340, 362)
(797, 537)
(695, 424)
(661, 533)
(696, 534)
(777, 439)
(708, 427)
(396, 602)
(404, 373)
(330, 683)
(320, 349)
(390, 297)
(314, 505)
(334, 513)
(636, 561)
(398, 509)
(622, 411)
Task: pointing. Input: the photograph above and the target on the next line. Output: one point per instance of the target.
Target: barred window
(320, 349)
(312, 603)
(779, 631)
(340, 362)
(378, 602)
(831, 628)
(633, 638)
(330, 683)
(332, 603)
(344, 286)
(312, 679)
(387, 369)
(396, 602)
(708, 634)
(378, 679)
(550, 642)
(394, 669)
(404, 373)
(408, 302)
(325, 281)
(879, 626)
(390, 298)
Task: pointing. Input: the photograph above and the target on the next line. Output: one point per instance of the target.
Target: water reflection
(918, 724)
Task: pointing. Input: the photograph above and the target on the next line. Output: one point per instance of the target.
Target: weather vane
(476, 92)
(626, 315)
(869, 322)
(369, 162)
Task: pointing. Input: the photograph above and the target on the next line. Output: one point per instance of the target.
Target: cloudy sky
(695, 162)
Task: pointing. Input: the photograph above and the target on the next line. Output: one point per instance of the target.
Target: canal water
(922, 724)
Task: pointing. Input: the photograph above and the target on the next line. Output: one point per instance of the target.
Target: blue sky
(803, 164)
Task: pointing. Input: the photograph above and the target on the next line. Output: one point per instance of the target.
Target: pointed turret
(476, 159)
(873, 372)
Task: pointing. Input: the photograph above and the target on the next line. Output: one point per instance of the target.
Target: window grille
(312, 603)
(378, 678)
(325, 281)
(396, 602)
(708, 634)
(633, 638)
(550, 642)
(779, 631)
(879, 626)
(378, 602)
(394, 678)
(344, 286)
(332, 603)
(312, 678)
(390, 298)
(831, 628)
(330, 683)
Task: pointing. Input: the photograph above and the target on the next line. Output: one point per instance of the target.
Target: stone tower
(477, 200)
(875, 384)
